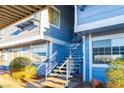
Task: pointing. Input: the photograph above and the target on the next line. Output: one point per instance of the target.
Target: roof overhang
(10, 14)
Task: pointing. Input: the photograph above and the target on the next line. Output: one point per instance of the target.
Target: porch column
(87, 57)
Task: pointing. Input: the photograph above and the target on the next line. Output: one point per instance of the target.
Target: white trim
(101, 23)
(31, 39)
(39, 45)
(112, 36)
(47, 53)
(20, 41)
(54, 40)
(51, 49)
(84, 63)
(90, 56)
(100, 65)
(75, 18)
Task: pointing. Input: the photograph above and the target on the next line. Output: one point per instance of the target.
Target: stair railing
(68, 63)
(49, 64)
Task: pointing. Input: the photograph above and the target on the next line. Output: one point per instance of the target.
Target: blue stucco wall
(99, 73)
(66, 24)
(98, 12)
(62, 51)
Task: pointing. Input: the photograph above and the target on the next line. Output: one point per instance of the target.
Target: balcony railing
(22, 35)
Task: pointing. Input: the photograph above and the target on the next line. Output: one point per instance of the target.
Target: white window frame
(53, 7)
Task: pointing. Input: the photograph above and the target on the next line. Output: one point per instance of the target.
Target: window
(54, 17)
(39, 53)
(26, 51)
(115, 50)
(17, 52)
(104, 51)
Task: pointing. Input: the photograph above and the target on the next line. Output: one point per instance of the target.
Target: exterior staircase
(67, 68)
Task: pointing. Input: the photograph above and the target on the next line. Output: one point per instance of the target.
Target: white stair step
(59, 75)
(65, 67)
(63, 71)
(58, 80)
(52, 84)
(57, 70)
(72, 64)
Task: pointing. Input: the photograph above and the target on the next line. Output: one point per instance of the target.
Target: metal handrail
(50, 58)
(63, 65)
(70, 54)
(47, 65)
(68, 64)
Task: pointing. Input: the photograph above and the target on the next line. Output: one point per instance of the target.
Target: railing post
(67, 73)
(46, 71)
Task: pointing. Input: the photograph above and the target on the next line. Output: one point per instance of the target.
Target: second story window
(54, 17)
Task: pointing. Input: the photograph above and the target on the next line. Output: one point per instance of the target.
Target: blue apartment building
(63, 41)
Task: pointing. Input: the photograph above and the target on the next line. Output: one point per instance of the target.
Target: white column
(90, 55)
(51, 49)
(84, 58)
(75, 18)
(87, 57)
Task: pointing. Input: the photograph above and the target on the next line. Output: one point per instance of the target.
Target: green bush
(21, 68)
(115, 73)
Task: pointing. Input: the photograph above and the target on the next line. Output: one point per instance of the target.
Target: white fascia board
(100, 23)
(54, 40)
(31, 39)
(21, 41)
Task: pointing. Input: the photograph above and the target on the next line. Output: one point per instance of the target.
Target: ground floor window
(26, 51)
(39, 53)
(104, 51)
(17, 52)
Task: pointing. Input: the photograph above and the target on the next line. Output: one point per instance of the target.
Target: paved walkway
(76, 82)
(4, 72)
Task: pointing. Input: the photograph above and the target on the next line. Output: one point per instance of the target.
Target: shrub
(21, 68)
(115, 73)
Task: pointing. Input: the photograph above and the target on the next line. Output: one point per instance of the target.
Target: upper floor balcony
(53, 23)
(21, 32)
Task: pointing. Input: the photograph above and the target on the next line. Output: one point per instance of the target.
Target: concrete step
(58, 80)
(52, 84)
